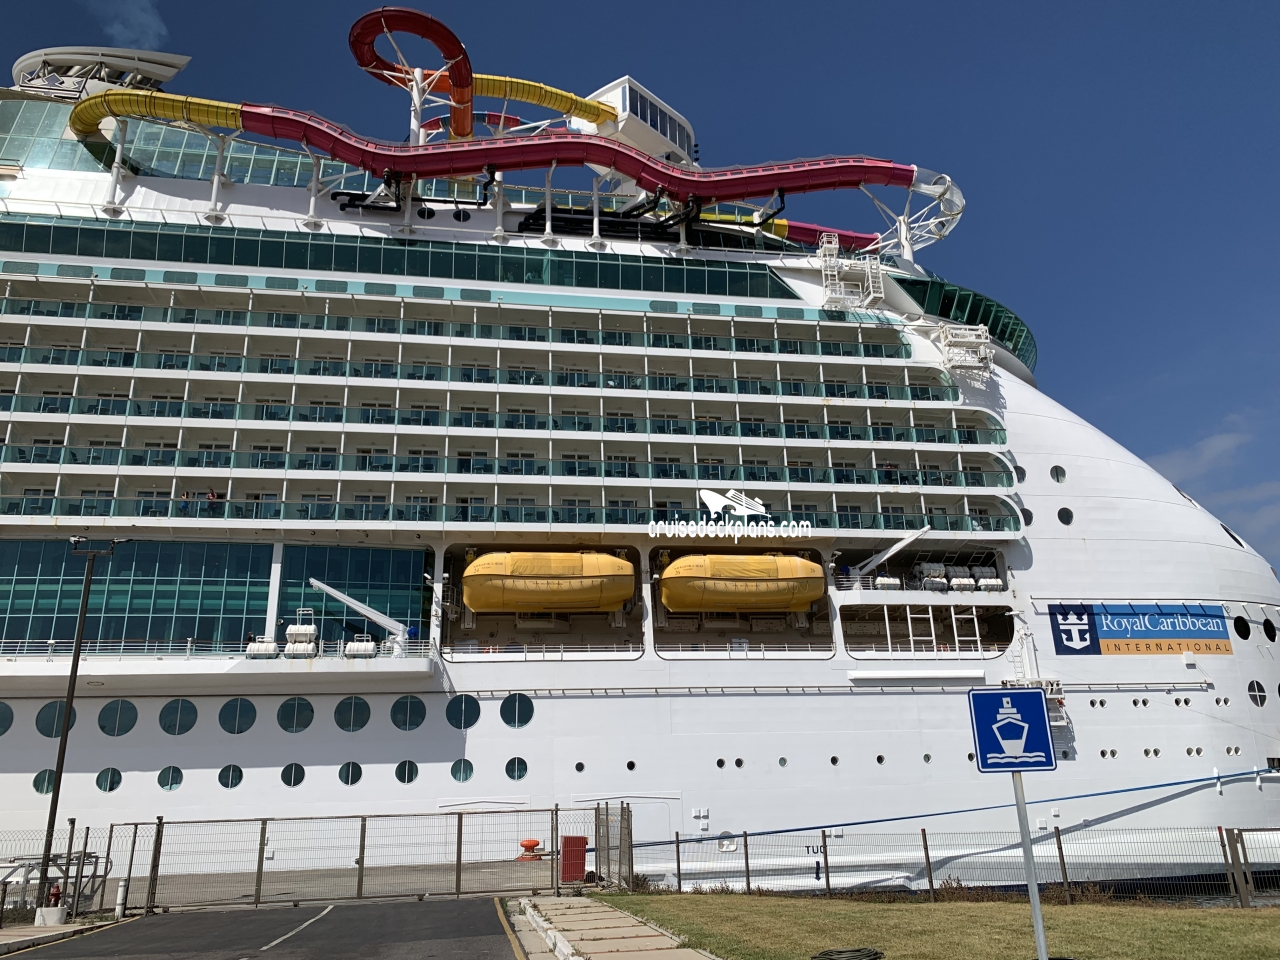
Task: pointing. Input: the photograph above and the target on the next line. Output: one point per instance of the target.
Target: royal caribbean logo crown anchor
(1099, 629)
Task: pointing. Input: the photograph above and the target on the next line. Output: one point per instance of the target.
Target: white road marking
(298, 930)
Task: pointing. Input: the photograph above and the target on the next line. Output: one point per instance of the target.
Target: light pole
(90, 554)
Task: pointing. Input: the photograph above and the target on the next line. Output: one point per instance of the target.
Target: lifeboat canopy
(548, 583)
(712, 583)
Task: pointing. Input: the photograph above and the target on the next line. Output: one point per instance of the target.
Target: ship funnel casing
(548, 583)
(713, 583)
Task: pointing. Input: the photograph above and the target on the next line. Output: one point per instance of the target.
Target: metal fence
(1206, 864)
(614, 853)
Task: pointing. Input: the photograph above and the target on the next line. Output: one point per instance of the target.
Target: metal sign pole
(1029, 865)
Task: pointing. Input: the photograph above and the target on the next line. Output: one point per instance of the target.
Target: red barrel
(573, 859)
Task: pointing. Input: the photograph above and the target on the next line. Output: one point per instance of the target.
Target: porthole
(1156, 751)
(426, 213)
(237, 715)
(782, 761)
(1066, 517)
(1243, 629)
(117, 718)
(1146, 702)
(170, 778)
(295, 715)
(1146, 752)
(1177, 701)
(1021, 474)
(1226, 701)
(6, 718)
(292, 774)
(108, 780)
(177, 717)
(835, 761)
(738, 763)
(349, 773)
(928, 758)
(1218, 701)
(1186, 701)
(1191, 751)
(43, 781)
(880, 758)
(1103, 703)
(462, 770)
(516, 710)
(579, 766)
(1199, 751)
(1135, 701)
(49, 719)
(971, 758)
(1093, 703)
(1102, 754)
(1058, 474)
(462, 216)
(1027, 517)
(720, 763)
(1234, 538)
(406, 771)
(1257, 693)
(1112, 753)
(408, 713)
(517, 768)
(1066, 755)
(1268, 630)
(631, 764)
(462, 711)
(230, 776)
(351, 714)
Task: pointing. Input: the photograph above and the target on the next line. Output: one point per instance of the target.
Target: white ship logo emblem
(1074, 630)
(732, 502)
(1011, 731)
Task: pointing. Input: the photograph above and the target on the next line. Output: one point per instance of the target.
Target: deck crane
(398, 635)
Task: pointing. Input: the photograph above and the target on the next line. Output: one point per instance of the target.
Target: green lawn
(738, 927)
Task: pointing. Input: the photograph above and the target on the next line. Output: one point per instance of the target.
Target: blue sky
(1118, 160)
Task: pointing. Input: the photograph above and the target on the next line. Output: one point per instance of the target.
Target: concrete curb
(555, 939)
(14, 946)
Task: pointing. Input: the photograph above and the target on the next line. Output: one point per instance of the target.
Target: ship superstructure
(666, 498)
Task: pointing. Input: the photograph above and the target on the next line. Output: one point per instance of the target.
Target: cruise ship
(528, 462)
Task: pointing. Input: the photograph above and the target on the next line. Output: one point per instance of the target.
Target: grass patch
(741, 927)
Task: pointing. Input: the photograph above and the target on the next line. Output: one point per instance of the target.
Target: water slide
(469, 157)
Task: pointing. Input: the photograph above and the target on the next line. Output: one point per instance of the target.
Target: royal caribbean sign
(1093, 629)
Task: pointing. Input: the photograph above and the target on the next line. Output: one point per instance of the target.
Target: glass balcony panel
(85, 506)
(314, 461)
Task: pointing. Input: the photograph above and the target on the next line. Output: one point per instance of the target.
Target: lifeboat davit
(548, 583)
(710, 583)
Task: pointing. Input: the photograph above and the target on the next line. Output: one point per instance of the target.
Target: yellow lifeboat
(709, 583)
(547, 583)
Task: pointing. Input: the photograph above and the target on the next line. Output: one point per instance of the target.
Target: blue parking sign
(1011, 730)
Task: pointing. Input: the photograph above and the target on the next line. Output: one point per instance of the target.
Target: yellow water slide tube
(712, 583)
(548, 583)
(88, 113)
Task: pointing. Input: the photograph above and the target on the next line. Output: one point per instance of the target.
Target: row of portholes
(1065, 516)
(1056, 474)
(291, 775)
(238, 715)
(1244, 629)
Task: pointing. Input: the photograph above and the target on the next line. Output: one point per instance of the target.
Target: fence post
(631, 852)
(1062, 865)
(262, 856)
(1237, 873)
(599, 871)
(106, 868)
(1226, 864)
(4, 898)
(1245, 868)
(457, 867)
(746, 860)
(679, 878)
(555, 849)
(608, 842)
(928, 865)
(826, 863)
(153, 880)
(360, 860)
(128, 876)
(66, 864)
(84, 852)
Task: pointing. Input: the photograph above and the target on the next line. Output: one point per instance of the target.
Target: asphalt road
(443, 929)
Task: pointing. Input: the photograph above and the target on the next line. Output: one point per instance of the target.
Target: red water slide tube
(389, 19)
(461, 158)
